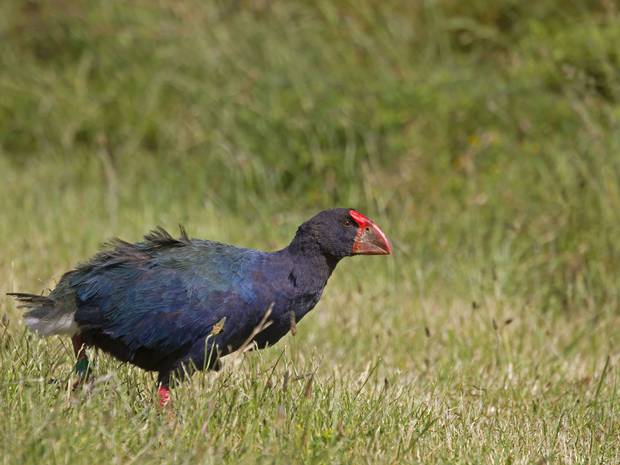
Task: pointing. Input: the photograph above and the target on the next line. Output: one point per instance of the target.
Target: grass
(483, 138)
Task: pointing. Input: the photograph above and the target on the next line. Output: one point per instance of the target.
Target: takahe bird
(172, 305)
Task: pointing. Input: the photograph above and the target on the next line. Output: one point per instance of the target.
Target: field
(484, 138)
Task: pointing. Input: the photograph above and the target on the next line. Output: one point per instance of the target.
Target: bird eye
(347, 222)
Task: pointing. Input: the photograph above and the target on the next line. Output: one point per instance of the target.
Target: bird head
(342, 232)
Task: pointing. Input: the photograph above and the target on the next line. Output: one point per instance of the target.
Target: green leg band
(82, 367)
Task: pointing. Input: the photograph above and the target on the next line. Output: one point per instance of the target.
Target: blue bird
(175, 305)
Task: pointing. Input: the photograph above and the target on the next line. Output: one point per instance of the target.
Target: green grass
(483, 137)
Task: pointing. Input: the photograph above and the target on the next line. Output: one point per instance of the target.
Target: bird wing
(163, 296)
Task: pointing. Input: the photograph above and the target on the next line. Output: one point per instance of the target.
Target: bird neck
(312, 264)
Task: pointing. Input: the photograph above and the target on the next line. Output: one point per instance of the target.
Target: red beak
(369, 240)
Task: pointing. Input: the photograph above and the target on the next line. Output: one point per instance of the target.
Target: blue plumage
(168, 304)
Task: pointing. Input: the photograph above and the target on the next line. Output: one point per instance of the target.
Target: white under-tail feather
(45, 316)
(48, 326)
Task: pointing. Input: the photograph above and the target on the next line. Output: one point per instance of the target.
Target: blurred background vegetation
(483, 135)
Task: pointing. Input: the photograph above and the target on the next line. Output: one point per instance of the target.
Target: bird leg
(163, 392)
(163, 388)
(82, 366)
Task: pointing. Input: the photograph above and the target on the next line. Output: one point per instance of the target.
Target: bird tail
(44, 317)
